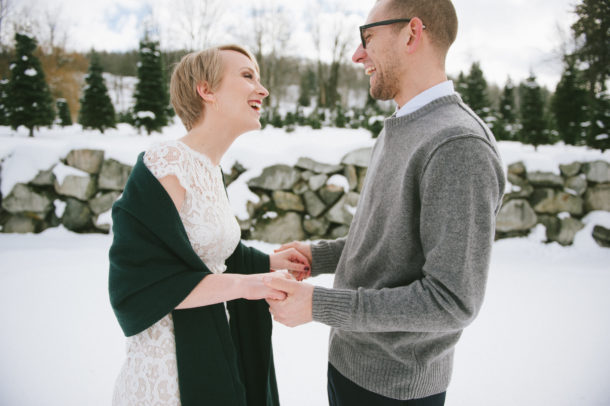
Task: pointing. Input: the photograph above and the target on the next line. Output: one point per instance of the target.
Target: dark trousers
(343, 392)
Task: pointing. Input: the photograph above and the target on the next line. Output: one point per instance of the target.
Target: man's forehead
(377, 13)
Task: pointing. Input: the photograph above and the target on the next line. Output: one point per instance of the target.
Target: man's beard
(385, 85)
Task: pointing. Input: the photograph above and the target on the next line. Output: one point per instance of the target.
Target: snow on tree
(29, 102)
(96, 109)
(152, 100)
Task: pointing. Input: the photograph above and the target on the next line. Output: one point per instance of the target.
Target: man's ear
(415, 29)
(203, 90)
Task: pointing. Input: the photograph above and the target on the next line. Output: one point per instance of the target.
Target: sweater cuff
(323, 258)
(333, 307)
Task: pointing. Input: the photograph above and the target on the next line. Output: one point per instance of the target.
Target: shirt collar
(442, 89)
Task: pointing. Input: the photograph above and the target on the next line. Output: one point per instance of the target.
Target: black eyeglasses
(378, 23)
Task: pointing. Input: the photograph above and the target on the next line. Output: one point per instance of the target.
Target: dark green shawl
(153, 268)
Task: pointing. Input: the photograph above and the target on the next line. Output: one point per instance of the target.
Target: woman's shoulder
(167, 158)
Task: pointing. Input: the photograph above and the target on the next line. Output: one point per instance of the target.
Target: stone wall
(74, 192)
(310, 200)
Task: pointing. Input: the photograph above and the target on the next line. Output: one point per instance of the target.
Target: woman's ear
(203, 90)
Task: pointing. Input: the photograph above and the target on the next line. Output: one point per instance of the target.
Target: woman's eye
(248, 75)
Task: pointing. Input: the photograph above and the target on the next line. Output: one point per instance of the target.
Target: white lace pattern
(149, 375)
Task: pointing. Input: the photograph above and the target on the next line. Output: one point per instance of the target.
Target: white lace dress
(149, 375)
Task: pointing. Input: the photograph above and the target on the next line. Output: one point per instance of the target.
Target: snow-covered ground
(540, 339)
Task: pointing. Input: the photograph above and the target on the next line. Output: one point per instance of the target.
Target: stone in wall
(515, 215)
(570, 170)
(351, 174)
(549, 201)
(576, 185)
(284, 228)
(315, 206)
(21, 224)
(25, 199)
(44, 178)
(79, 187)
(103, 202)
(598, 198)
(318, 167)
(88, 160)
(316, 226)
(276, 177)
(339, 213)
(597, 171)
(545, 179)
(566, 231)
(601, 235)
(330, 194)
(287, 201)
(315, 182)
(77, 215)
(113, 175)
(359, 157)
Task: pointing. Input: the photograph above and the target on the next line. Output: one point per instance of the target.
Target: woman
(186, 292)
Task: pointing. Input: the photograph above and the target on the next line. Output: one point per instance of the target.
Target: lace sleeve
(166, 159)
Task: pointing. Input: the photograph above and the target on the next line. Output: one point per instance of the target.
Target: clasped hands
(296, 306)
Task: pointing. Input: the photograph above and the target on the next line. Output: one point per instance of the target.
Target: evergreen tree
(152, 99)
(592, 32)
(29, 100)
(597, 136)
(96, 110)
(461, 86)
(3, 102)
(476, 91)
(307, 87)
(507, 114)
(63, 112)
(569, 105)
(533, 125)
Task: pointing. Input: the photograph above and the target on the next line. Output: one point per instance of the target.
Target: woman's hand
(255, 289)
(292, 260)
(303, 250)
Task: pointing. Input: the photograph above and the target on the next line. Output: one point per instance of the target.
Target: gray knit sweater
(411, 273)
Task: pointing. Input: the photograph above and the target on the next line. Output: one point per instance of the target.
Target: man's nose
(359, 54)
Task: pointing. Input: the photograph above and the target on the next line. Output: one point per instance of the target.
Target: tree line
(577, 111)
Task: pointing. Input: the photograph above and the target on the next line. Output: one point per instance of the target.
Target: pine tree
(96, 110)
(476, 91)
(507, 119)
(63, 112)
(29, 100)
(307, 87)
(152, 100)
(3, 102)
(569, 105)
(461, 87)
(592, 32)
(533, 124)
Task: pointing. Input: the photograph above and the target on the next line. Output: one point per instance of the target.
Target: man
(411, 273)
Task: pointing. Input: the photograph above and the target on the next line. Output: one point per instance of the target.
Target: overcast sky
(508, 37)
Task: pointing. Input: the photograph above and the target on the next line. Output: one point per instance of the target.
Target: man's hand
(292, 260)
(296, 309)
(303, 249)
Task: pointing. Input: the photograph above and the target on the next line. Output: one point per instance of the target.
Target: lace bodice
(150, 375)
(206, 214)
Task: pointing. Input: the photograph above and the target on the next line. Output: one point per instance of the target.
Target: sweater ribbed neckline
(392, 122)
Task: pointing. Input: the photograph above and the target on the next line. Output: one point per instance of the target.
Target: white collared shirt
(442, 89)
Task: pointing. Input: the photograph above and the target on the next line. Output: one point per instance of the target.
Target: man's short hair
(438, 16)
(193, 69)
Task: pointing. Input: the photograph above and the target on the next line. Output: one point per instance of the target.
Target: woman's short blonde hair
(198, 67)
